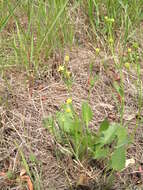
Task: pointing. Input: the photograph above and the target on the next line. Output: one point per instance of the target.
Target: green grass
(40, 28)
(127, 16)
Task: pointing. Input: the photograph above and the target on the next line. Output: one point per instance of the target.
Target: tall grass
(127, 15)
(41, 27)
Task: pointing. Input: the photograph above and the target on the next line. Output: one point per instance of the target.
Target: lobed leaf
(109, 134)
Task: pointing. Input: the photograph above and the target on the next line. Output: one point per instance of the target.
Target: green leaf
(122, 136)
(101, 153)
(65, 122)
(118, 158)
(48, 123)
(109, 134)
(118, 89)
(93, 79)
(86, 113)
(11, 12)
(10, 175)
(91, 67)
(32, 158)
(104, 125)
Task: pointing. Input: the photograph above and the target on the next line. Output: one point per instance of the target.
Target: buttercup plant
(72, 131)
(65, 73)
(109, 24)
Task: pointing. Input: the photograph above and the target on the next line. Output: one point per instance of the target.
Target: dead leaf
(30, 91)
(28, 180)
(2, 173)
(140, 169)
(119, 98)
(130, 161)
(117, 77)
(23, 172)
(129, 117)
(83, 180)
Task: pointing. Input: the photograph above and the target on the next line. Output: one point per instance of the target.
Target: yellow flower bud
(68, 73)
(66, 58)
(69, 101)
(127, 65)
(68, 110)
(111, 41)
(129, 50)
(112, 20)
(97, 50)
(106, 17)
(61, 68)
(135, 45)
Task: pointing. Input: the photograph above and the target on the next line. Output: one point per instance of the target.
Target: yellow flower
(109, 20)
(112, 20)
(68, 110)
(127, 65)
(129, 50)
(69, 101)
(106, 17)
(61, 68)
(97, 50)
(68, 73)
(111, 41)
(135, 45)
(66, 58)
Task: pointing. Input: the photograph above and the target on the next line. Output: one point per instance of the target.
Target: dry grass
(23, 109)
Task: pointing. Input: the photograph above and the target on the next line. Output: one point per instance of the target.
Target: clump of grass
(126, 14)
(47, 28)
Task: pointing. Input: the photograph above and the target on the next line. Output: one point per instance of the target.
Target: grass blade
(3, 24)
(52, 26)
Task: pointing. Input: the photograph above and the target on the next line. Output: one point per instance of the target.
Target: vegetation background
(85, 50)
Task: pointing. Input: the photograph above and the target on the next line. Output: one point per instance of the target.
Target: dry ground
(24, 104)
